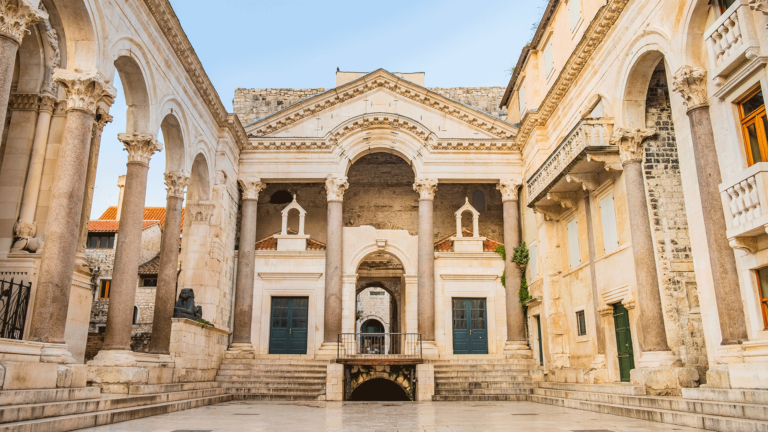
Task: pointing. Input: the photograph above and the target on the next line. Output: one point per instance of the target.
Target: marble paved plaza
(244, 416)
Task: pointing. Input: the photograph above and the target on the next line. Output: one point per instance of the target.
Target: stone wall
(376, 307)
(197, 350)
(311, 196)
(483, 98)
(253, 104)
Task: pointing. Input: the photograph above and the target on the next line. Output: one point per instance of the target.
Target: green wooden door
(470, 335)
(623, 341)
(288, 326)
(541, 343)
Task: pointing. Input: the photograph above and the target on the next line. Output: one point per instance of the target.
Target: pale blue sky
(300, 43)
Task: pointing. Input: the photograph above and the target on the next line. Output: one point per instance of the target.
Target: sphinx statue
(185, 306)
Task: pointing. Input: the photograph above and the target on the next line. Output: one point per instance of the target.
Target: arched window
(281, 197)
(135, 315)
(478, 200)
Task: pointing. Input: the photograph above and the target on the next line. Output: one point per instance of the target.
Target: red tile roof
(107, 223)
(112, 225)
(446, 245)
(151, 267)
(270, 243)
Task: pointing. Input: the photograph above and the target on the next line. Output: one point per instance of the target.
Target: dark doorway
(372, 326)
(378, 389)
(623, 341)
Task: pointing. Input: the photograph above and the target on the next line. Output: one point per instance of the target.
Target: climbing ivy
(520, 258)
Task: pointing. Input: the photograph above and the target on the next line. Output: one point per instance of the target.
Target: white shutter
(574, 9)
(610, 232)
(548, 59)
(573, 243)
(521, 97)
(533, 262)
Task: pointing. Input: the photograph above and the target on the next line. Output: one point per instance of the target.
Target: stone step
(17, 413)
(244, 395)
(479, 379)
(232, 360)
(483, 391)
(22, 397)
(469, 373)
(167, 388)
(479, 398)
(268, 378)
(727, 395)
(93, 419)
(275, 392)
(288, 373)
(482, 385)
(689, 419)
(274, 385)
(619, 389)
(483, 367)
(318, 368)
(479, 361)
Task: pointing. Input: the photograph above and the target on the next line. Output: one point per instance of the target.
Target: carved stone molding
(335, 187)
(551, 213)
(84, 89)
(691, 83)
(101, 120)
(630, 143)
(760, 6)
(509, 189)
(567, 200)
(380, 121)
(251, 186)
(605, 311)
(426, 188)
(474, 145)
(15, 19)
(589, 182)
(47, 103)
(629, 303)
(292, 144)
(24, 102)
(746, 244)
(200, 212)
(140, 146)
(61, 108)
(176, 183)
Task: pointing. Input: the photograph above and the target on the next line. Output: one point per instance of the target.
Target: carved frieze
(509, 189)
(176, 183)
(16, 17)
(251, 187)
(200, 212)
(426, 188)
(84, 89)
(140, 146)
(23, 102)
(335, 187)
(691, 83)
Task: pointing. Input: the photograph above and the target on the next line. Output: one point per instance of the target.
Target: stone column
(515, 318)
(84, 91)
(691, 83)
(246, 263)
(165, 294)
(122, 294)
(426, 292)
(599, 335)
(334, 284)
(102, 118)
(15, 20)
(652, 333)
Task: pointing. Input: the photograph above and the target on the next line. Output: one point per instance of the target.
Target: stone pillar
(102, 118)
(122, 295)
(246, 263)
(426, 293)
(84, 92)
(334, 284)
(691, 83)
(15, 20)
(652, 334)
(165, 294)
(600, 336)
(515, 318)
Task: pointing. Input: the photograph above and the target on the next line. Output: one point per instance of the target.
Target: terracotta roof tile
(112, 225)
(150, 267)
(446, 245)
(151, 214)
(270, 242)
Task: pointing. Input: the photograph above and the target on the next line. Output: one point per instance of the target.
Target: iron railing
(404, 346)
(14, 301)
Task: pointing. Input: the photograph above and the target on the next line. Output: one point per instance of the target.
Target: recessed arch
(137, 97)
(173, 137)
(80, 36)
(199, 180)
(698, 17)
(31, 63)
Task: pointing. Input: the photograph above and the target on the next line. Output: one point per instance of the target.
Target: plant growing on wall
(520, 258)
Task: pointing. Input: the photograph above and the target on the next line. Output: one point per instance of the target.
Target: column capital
(426, 187)
(47, 103)
(509, 189)
(335, 187)
(102, 118)
(252, 186)
(630, 143)
(84, 89)
(15, 19)
(176, 182)
(140, 146)
(691, 83)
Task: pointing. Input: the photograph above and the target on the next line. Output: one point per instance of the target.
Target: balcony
(732, 39)
(746, 206)
(379, 348)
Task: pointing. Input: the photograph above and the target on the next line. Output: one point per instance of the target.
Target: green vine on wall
(521, 258)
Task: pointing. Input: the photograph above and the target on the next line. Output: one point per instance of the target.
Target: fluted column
(102, 118)
(246, 264)
(15, 19)
(165, 294)
(335, 187)
(84, 92)
(122, 294)
(515, 316)
(426, 291)
(691, 83)
(652, 333)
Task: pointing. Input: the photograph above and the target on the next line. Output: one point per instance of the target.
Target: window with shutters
(581, 323)
(104, 289)
(548, 59)
(573, 243)
(521, 97)
(574, 10)
(101, 241)
(610, 231)
(533, 261)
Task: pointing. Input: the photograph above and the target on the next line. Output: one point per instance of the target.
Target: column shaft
(90, 181)
(246, 268)
(333, 273)
(8, 49)
(36, 162)
(426, 296)
(593, 277)
(515, 317)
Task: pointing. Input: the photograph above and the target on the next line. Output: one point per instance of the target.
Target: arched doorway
(379, 389)
(379, 305)
(372, 326)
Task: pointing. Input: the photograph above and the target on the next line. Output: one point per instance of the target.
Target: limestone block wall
(197, 350)
(311, 196)
(372, 306)
(483, 98)
(253, 104)
(150, 242)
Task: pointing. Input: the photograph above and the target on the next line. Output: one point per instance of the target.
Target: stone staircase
(483, 379)
(246, 377)
(59, 410)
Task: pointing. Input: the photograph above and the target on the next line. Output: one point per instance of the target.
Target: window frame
(103, 240)
(581, 313)
(575, 24)
(763, 300)
(603, 222)
(753, 118)
(573, 248)
(722, 6)
(101, 288)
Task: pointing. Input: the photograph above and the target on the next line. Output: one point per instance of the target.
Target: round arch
(138, 114)
(82, 41)
(691, 38)
(361, 254)
(372, 322)
(199, 188)
(173, 137)
(382, 380)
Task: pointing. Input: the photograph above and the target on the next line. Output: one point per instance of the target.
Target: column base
(429, 348)
(239, 347)
(115, 371)
(56, 353)
(663, 374)
(240, 351)
(651, 359)
(517, 350)
(328, 351)
(28, 365)
(598, 371)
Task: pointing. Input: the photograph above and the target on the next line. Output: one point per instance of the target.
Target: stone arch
(361, 254)
(80, 36)
(137, 97)
(635, 80)
(365, 374)
(692, 44)
(366, 319)
(173, 137)
(30, 60)
(199, 189)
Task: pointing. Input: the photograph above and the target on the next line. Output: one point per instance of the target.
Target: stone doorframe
(623, 295)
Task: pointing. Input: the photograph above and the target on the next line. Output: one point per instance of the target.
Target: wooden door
(288, 325)
(623, 341)
(470, 334)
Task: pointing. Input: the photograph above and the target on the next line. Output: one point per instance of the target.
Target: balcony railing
(746, 202)
(382, 346)
(730, 38)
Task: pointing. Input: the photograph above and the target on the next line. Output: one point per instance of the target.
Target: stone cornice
(171, 27)
(598, 29)
(448, 145)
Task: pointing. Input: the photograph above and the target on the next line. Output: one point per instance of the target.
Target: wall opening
(379, 389)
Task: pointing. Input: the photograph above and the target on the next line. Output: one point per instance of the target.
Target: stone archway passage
(379, 389)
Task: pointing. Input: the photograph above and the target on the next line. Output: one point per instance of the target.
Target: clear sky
(300, 43)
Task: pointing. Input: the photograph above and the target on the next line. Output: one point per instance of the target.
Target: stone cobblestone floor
(246, 416)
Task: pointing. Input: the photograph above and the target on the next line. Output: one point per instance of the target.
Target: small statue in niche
(185, 306)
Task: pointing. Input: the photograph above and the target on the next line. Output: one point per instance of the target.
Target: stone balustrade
(731, 39)
(745, 201)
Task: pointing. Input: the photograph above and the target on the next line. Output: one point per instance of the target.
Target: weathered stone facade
(253, 104)
(375, 304)
(485, 99)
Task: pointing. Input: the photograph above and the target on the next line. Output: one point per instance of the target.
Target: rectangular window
(762, 281)
(533, 261)
(725, 4)
(376, 293)
(581, 323)
(521, 97)
(608, 215)
(573, 243)
(149, 281)
(104, 289)
(574, 10)
(754, 126)
(101, 241)
(548, 59)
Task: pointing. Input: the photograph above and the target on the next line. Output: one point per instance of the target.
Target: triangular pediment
(351, 99)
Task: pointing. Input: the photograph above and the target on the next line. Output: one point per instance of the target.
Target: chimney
(121, 185)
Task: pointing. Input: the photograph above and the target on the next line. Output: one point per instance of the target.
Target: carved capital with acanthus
(691, 83)
(630, 143)
(509, 189)
(176, 183)
(140, 146)
(251, 187)
(629, 303)
(426, 188)
(47, 103)
(335, 188)
(101, 120)
(16, 17)
(84, 89)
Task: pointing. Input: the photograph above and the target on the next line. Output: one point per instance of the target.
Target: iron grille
(379, 345)
(14, 301)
